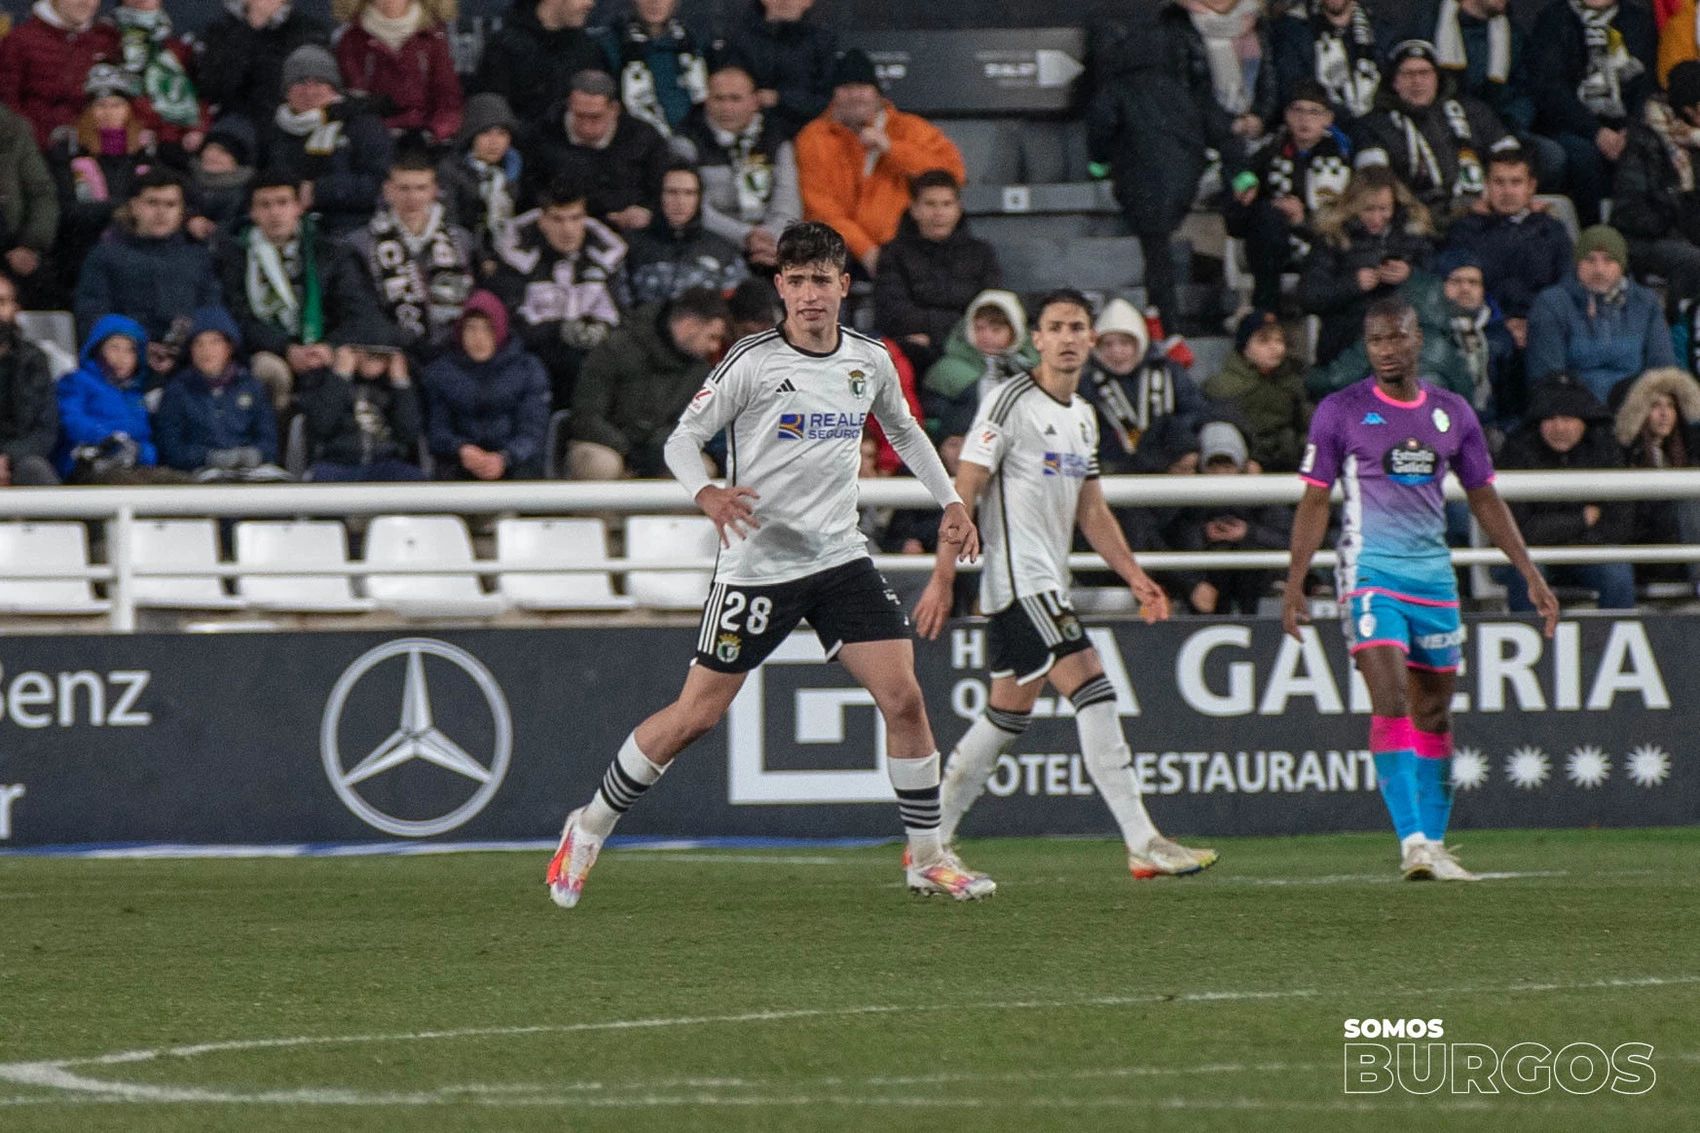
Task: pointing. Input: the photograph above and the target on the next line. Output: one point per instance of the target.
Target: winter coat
(771, 162)
(664, 262)
(1328, 284)
(92, 409)
(661, 77)
(634, 387)
(1621, 341)
(29, 411)
(1649, 203)
(1294, 38)
(348, 182)
(924, 286)
(196, 417)
(1511, 100)
(1558, 60)
(1677, 39)
(1153, 115)
(1520, 256)
(1267, 529)
(793, 59)
(415, 86)
(1157, 391)
(458, 189)
(1656, 521)
(154, 281)
(1274, 406)
(241, 68)
(42, 68)
(1381, 140)
(343, 293)
(531, 66)
(335, 406)
(501, 405)
(963, 368)
(1316, 177)
(626, 172)
(419, 288)
(1560, 523)
(865, 207)
(29, 208)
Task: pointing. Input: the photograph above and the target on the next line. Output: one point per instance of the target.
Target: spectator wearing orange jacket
(856, 160)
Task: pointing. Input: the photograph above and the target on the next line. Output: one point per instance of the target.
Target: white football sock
(1110, 764)
(916, 782)
(627, 778)
(971, 764)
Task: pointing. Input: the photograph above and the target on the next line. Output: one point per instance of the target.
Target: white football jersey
(1040, 451)
(794, 422)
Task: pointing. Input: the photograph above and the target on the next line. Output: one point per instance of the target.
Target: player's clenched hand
(957, 530)
(1295, 611)
(732, 511)
(933, 610)
(1153, 599)
(1546, 603)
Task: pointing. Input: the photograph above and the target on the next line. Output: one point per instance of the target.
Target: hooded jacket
(792, 58)
(1148, 414)
(1656, 521)
(154, 280)
(1560, 523)
(1274, 406)
(500, 405)
(416, 81)
(634, 387)
(923, 286)
(241, 68)
(92, 408)
(964, 372)
(664, 262)
(865, 205)
(197, 416)
(531, 66)
(43, 64)
(1618, 341)
(29, 412)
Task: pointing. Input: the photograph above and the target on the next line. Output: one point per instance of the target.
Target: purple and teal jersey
(1391, 458)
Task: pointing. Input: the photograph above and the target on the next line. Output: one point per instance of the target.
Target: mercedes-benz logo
(416, 737)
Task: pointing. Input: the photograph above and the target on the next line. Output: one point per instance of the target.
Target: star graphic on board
(1588, 767)
(1469, 769)
(417, 737)
(1649, 765)
(1528, 768)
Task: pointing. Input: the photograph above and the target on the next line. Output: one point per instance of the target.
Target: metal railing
(120, 508)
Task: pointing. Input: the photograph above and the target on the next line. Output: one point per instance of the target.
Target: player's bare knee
(903, 706)
(1433, 720)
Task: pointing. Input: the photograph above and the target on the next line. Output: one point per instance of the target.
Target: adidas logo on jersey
(1373, 418)
(1050, 430)
(786, 387)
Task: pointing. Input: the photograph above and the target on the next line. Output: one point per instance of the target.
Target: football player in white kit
(794, 401)
(1031, 460)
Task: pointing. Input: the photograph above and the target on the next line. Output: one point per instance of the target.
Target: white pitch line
(56, 1074)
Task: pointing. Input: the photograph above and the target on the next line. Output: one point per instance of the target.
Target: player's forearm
(1310, 526)
(683, 454)
(921, 458)
(1105, 536)
(1501, 529)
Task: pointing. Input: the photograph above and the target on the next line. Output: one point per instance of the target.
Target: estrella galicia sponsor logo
(422, 778)
(820, 426)
(1411, 462)
(1069, 464)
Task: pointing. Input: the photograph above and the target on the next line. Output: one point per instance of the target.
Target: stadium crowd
(283, 219)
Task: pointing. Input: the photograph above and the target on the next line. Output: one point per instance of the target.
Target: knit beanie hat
(853, 66)
(1603, 238)
(1247, 328)
(486, 111)
(310, 61)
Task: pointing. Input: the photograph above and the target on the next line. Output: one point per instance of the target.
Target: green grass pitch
(805, 990)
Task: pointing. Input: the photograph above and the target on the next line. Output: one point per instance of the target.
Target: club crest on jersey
(1070, 626)
(1411, 462)
(790, 426)
(858, 384)
(1442, 422)
(727, 647)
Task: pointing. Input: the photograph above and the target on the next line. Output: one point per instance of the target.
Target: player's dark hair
(1066, 296)
(1512, 155)
(699, 303)
(811, 242)
(563, 191)
(1394, 307)
(935, 179)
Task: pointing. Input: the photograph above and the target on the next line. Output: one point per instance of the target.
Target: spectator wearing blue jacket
(216, 420)
(104, 433)
(1598, 324)
(487, 400)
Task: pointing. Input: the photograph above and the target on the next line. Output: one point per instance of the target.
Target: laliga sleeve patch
(1309, 461)
(700, 400)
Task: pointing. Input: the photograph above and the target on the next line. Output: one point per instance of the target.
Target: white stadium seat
(556, 542)
(297, 543)
(46, 546)
(186, 547)
(657, 538)
(421, 540)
